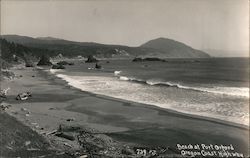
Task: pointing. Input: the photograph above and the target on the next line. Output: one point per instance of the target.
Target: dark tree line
(10, 52)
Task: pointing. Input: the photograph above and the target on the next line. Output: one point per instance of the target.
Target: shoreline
(120, 119)
(181, 114)
(159, 109)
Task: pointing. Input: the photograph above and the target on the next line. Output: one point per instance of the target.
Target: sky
(220, 27)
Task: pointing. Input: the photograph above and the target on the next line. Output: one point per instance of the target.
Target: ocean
(217, 88)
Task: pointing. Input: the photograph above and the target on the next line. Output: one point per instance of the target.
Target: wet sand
(53, 102)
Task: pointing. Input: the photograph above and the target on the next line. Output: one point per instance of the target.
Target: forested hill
(10, 51)
(72, 48)
(162, 48)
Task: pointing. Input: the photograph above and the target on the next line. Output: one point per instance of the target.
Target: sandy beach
(54, 103)
(124, 79)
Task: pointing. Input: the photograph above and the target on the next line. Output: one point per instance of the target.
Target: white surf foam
(117, 72)
(235, 91)
(156, 95)
(53, 71)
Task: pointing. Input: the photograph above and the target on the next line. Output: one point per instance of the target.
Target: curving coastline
(123, 121)
(84, 83)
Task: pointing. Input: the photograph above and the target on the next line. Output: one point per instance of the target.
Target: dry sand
(127, 123)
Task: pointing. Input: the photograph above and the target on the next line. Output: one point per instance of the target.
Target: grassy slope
(14, 135)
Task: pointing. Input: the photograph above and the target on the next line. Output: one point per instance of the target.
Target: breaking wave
(235, 91)
(152, 92)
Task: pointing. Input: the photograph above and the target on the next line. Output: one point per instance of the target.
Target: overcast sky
(202, 24)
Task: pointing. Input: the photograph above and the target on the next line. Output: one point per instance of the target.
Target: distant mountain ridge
(161, 47)
(29, 41)
(174, 49)
(48, 38)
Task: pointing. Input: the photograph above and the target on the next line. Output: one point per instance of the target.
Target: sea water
(216, 87)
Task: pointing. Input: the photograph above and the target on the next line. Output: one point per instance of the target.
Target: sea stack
(44, 61)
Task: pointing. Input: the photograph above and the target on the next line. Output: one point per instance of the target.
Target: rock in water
(91, 59)
(58, 66)
(29, 63)
(65, 63)
(137, 59)
(98, 66)
(44, 60)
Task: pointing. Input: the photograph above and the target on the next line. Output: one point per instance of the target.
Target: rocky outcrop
(65, 63)
(44, 61)
(98, 66)
(137, 60)
(57, 66)
(29, 63)
(91, 59)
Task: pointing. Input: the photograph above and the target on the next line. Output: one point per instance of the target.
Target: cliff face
(174, 49)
